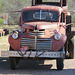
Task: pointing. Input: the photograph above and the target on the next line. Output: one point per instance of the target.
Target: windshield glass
(40, 15)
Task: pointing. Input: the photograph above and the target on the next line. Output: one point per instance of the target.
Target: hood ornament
(36, 27)
(36, 30)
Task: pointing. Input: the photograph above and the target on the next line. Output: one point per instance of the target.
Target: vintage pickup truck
(45, 34)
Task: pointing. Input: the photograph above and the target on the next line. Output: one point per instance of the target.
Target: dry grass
(73, 28)
(4, 45)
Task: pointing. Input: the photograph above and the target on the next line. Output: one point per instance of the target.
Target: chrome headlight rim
(15, 35)
(57, 36)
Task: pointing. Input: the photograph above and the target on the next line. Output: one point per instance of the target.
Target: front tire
(13, 61)
(71, 48)
(60, 62)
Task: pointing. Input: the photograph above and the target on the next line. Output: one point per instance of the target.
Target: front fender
(58, 44)
(15, 44)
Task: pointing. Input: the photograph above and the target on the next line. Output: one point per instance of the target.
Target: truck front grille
(42, 44)
(38, 33)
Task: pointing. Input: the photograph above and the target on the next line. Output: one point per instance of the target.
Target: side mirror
(20, 21)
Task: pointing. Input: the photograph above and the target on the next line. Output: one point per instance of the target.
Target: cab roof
(43, 7)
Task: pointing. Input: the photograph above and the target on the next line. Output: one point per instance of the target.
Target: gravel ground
(37, 68)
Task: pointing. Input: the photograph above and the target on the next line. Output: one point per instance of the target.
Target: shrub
(1, 21)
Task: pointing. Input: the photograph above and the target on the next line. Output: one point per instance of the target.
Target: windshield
(40, 15)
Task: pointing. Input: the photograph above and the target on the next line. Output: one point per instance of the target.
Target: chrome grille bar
(41, 44)
(38, 34)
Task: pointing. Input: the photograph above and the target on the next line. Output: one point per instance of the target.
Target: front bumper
(33, 54)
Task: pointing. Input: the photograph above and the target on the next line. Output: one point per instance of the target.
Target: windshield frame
(40, 19)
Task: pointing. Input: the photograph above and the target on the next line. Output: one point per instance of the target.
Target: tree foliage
(12, 5)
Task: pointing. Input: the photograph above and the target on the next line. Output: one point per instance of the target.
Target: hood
(41, 25)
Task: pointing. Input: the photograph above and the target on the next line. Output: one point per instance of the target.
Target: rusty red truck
(44, 34)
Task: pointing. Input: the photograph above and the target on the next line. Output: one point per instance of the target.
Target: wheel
(60, 62)
(71, 48)
(13, 61)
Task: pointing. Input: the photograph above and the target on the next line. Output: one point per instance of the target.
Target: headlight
(57, 36)
(15, 35)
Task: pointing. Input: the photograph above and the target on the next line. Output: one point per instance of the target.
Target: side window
(38, 1)
(64, 2)
(62, 17)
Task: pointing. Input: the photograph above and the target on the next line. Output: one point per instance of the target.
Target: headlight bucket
(15, 35)
(57, 36)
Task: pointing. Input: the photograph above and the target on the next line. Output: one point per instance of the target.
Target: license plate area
(24, 48)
